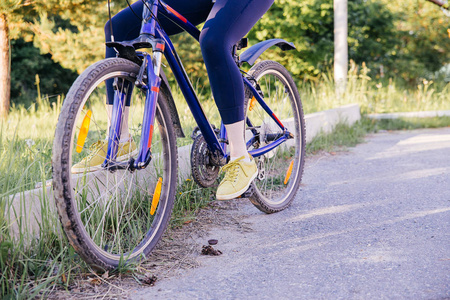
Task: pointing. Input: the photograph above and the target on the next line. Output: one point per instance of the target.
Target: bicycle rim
(280, 170)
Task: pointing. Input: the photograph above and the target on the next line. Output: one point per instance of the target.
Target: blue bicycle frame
(152, 35)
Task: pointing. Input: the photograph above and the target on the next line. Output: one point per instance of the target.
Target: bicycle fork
(123, 92)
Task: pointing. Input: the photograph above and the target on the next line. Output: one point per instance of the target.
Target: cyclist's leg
(227, 23)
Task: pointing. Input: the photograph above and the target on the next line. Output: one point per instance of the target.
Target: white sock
(238, 148)
(246, 158)
(126, 139)
(122, 140)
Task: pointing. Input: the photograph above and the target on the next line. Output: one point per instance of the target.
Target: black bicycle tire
(61, 165)
(256, 196)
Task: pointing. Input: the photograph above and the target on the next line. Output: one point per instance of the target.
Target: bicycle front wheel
(109, 217)
(280, 170)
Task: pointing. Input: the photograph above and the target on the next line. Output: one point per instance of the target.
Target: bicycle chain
(203, 169)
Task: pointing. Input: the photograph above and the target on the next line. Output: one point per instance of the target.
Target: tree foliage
(309, 25)
(406, 39)
(70, 30)
(67, 35)
(28, 62)
(372, 34)
(423, 40)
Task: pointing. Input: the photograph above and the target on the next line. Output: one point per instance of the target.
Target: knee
(211, 44)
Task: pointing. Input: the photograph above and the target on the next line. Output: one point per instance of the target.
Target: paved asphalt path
(371, 223)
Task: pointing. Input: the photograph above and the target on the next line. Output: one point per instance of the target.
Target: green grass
(34, 265)
(344, 136)
(412, 123)
(190, 198)
(375, 95)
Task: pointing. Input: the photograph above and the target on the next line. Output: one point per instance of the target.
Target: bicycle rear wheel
(280, 170)
(116, 217)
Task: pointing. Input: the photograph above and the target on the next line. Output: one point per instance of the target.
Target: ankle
(246, 157)
(125, 139)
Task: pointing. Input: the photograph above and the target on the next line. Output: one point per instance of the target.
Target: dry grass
(178, 251)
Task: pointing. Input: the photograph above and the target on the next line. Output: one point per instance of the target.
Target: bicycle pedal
(248, 193)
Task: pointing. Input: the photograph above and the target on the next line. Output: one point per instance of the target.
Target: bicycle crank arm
(121, 165)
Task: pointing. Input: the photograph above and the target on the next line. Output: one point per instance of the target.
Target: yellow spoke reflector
(84, 131)
(156, 196)
(289, 172)
(252, 103)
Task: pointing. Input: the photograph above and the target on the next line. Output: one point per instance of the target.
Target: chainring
(204, 171)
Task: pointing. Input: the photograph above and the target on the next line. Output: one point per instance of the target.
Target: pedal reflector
(156, 196)
(289, 172)
(83, 131)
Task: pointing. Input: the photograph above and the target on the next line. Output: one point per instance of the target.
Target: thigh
(233, 19)
(127, 23)
(196, 11)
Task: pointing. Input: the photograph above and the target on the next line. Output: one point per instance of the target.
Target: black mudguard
(165, 89)
(251, 54)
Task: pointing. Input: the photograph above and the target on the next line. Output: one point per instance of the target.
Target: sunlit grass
(380, 95)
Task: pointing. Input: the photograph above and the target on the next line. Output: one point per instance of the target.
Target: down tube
(191, 98)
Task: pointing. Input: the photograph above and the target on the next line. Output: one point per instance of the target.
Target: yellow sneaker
(94, 160)
(238, 177)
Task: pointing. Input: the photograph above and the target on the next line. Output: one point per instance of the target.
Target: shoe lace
(94, 148)
(232, 170)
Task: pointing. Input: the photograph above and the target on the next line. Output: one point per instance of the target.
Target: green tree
(372, 35)
(72, 34)
(409, 39)
(309, 25)
(26, 61)
(423, 41)
(69, 30)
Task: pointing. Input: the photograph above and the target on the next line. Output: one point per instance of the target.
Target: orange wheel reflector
(156, 196)
(83, 131)
(252, 103)
(289, 172)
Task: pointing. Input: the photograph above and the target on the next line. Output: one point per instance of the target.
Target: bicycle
(118, 213)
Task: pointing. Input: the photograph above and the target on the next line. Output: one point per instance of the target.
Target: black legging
(227, 21)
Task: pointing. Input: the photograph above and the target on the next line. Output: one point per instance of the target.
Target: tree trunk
(5, 74)
(340, 46)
